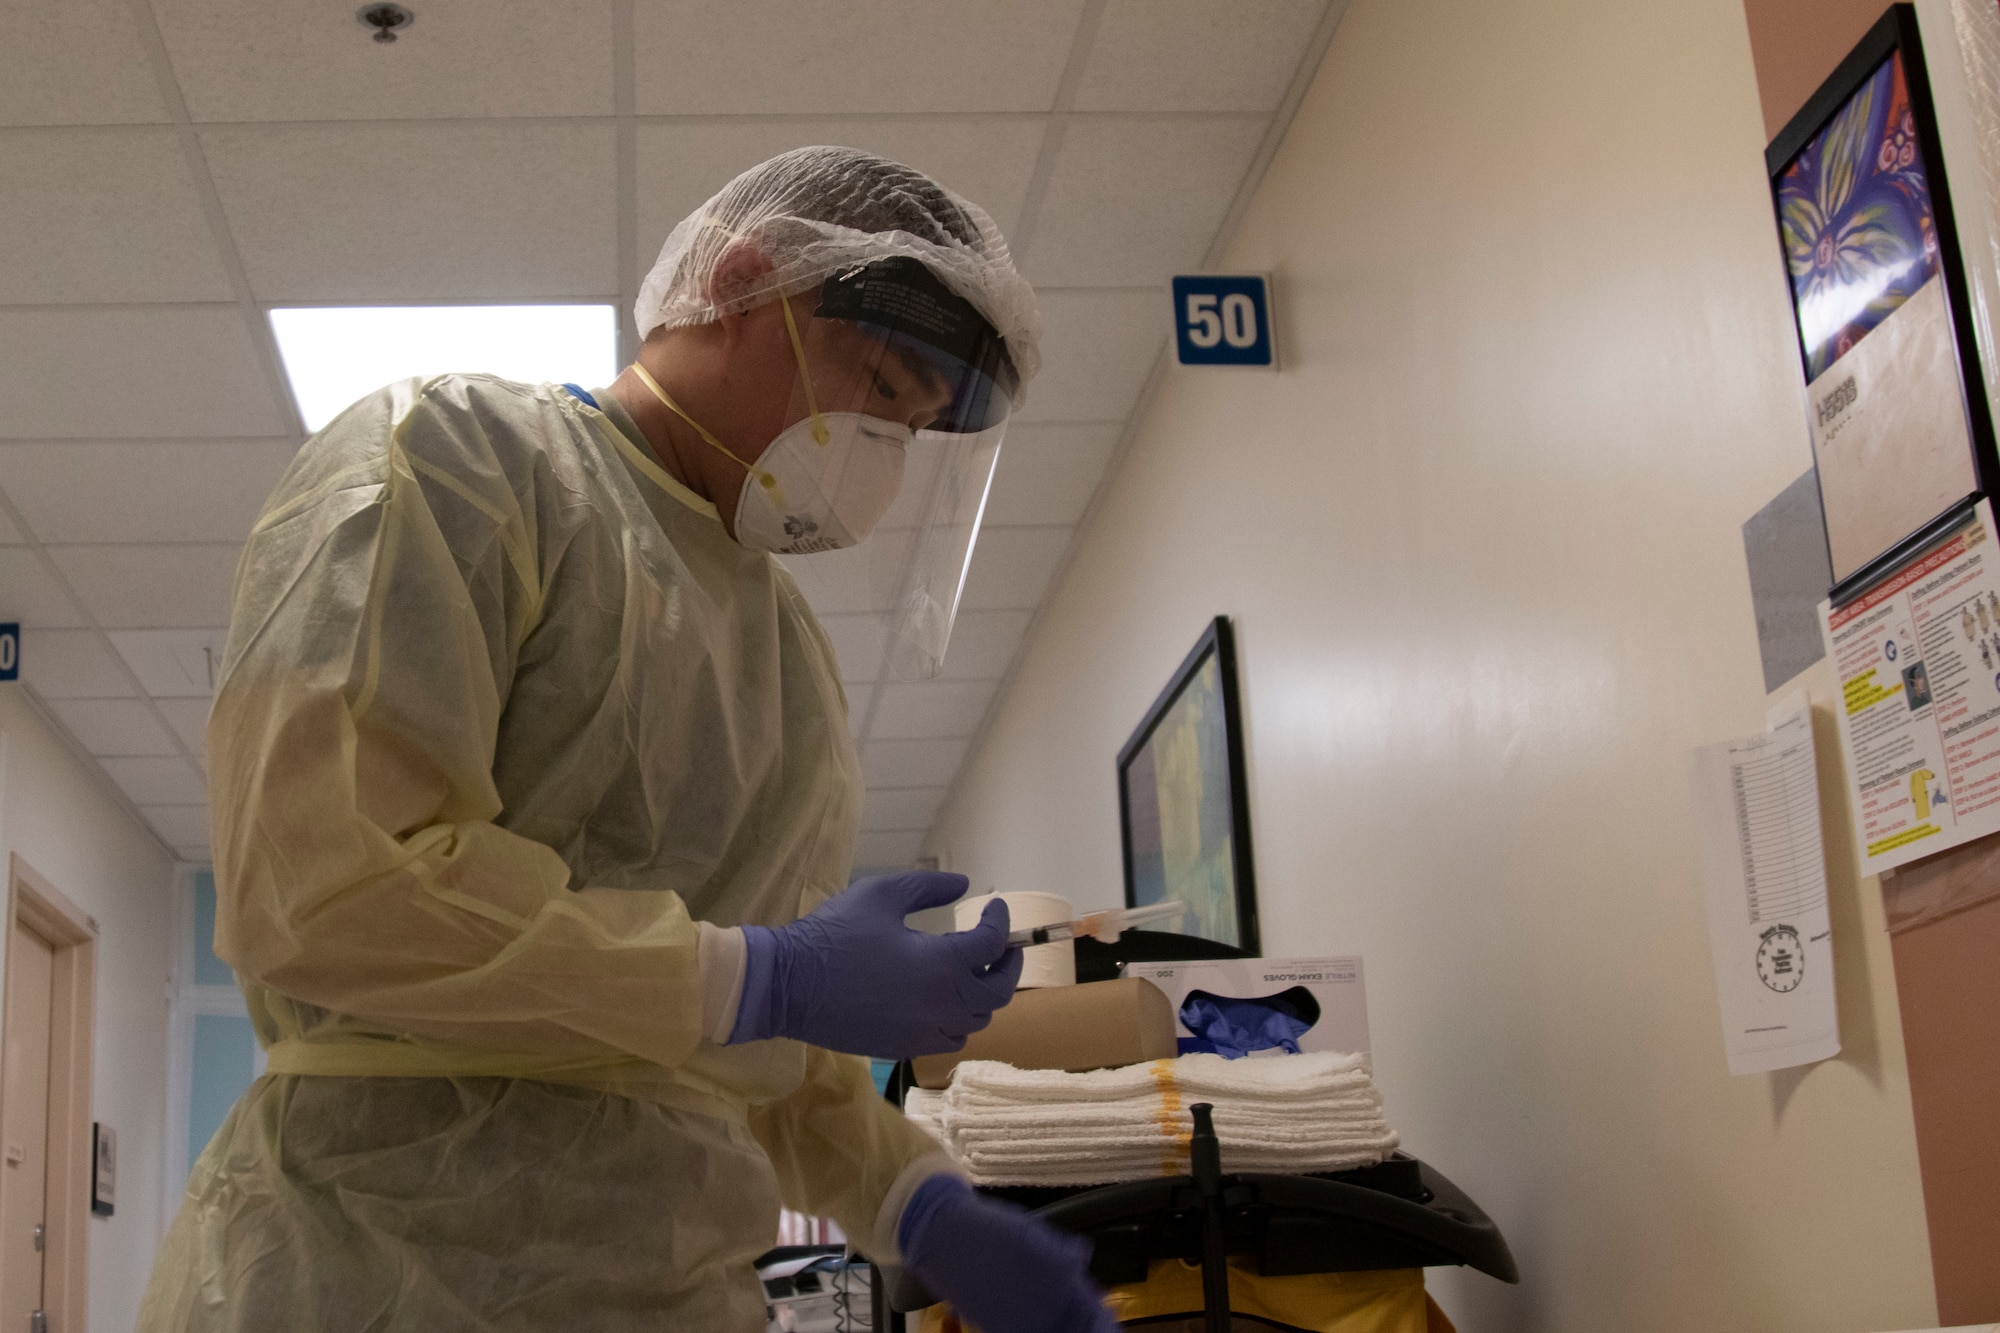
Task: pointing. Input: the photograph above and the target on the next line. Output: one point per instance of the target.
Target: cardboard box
(1098, 1025)
(1263, 1006)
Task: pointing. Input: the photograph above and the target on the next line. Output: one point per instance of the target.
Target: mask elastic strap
(764, 478)
(799, 351)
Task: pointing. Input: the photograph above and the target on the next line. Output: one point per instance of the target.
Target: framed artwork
(1902, 436)
(103, 1170)
(1183, 806)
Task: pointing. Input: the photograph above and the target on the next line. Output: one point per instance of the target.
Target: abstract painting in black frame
(1902, 437)
(1183, 809)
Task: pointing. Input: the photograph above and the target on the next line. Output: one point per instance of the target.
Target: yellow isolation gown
(504, 713)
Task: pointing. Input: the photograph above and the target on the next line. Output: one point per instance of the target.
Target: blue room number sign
(1223, 320)
(10, 651)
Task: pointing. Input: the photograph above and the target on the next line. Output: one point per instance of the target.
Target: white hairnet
(817, 211)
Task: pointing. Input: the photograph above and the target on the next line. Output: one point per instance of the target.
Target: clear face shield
(873, 495)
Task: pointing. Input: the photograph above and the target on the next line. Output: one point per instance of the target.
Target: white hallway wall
(56, 814)
(1480, 539)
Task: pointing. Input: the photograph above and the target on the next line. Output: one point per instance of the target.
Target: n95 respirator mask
(808, 494)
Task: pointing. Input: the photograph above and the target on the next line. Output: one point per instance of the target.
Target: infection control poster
(1918, 658)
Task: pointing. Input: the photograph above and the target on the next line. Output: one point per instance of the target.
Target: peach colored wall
(1951, 1010)
(1796, 44)
(1480, 537)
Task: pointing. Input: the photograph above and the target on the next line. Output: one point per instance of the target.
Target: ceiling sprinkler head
(387, 20)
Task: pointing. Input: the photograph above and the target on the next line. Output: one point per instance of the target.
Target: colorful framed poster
(1879, 302)
(1183, 805)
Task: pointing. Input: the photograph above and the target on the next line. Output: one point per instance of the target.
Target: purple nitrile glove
(1001, 1267)
(852, 977)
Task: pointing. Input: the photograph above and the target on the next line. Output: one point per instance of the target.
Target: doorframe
(72, 935)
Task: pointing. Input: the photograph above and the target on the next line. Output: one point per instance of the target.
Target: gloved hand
(1001, 1267)
(852, 977)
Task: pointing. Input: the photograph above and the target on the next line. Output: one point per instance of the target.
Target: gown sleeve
(843, 1152)
(378, 612)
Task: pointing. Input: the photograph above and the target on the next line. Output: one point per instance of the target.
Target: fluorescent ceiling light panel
(334, 355)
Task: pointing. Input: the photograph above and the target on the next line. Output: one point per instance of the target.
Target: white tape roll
(1045, 964)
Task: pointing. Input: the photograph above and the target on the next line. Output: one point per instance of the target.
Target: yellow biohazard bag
(1170, 1301)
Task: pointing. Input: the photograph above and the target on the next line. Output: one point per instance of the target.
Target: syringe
(1105, 926)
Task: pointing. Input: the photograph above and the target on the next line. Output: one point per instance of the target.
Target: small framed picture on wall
(1183, 807)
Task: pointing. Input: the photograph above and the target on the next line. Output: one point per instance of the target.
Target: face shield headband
(902, 302)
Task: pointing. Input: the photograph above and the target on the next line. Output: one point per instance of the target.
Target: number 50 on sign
(1223, 320)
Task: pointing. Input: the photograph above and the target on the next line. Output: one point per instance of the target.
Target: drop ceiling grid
(1021, 243)
(169, 827)
(1067, 136)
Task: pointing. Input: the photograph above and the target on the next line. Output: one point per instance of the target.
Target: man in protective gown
(535, 806)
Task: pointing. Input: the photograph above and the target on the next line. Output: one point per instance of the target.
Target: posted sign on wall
(1223, 320)
(1918, 658)
(10, 651)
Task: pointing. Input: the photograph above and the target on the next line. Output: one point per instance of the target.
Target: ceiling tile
(1048, 473)
(855, 578)
(835, 582)
(157, 781)
(1134, 200)
(29, 594)
(172, 663)
(983, 644)
(73, 230)
(912, 763)
(1097, 348)
(987, 159)
(292, 60)
(72, 664)
(10, 532)
(79, 62)
(178, 825)
(916, 497)
(881, 851)
(484, 212)
(931, 709)
(1012, 567)
(152, 491)
(113, 726)
(187, 371)
(1196, 55)
(152, 587)
(189, 720)
(695, 57)
(857, 645)
(901, 811)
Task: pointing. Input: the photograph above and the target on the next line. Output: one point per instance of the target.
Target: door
(24, 1129)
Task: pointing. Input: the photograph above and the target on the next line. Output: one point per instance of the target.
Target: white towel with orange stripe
(1291, 1113)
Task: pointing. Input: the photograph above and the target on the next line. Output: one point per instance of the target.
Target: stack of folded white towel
(1290, 1113)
